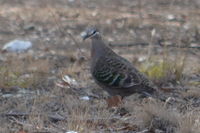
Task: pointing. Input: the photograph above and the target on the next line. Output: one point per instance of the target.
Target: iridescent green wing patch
(107, 76)
(112, 72)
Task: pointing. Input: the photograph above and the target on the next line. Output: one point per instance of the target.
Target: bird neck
(98, 47)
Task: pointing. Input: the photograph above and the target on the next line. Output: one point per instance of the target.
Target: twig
(144, 131)
(63, 33)
(146, 44)
(14, 120)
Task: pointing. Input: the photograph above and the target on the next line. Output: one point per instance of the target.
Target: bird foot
(114, 101)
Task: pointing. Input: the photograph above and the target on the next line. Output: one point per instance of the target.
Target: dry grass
(88, 119)
(156, 116)
(23, 73)
(189, 123)
(165, 70)
(192, 92)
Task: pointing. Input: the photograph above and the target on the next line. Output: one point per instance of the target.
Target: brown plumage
(114, 73)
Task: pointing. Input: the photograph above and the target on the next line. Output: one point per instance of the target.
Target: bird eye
(94, 32)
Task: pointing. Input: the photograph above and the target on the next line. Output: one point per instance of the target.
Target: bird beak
(84, 35)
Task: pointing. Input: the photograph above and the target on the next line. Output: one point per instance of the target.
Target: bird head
(90, 32)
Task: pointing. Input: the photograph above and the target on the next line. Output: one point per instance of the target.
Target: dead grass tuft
(192, 92)
(23, 73)
(165, 70)
(156, 116)
(82, 116)
(189, 123)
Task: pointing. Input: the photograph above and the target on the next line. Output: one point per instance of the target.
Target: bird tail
(152, 92)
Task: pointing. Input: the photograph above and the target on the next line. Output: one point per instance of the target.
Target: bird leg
(114, 101)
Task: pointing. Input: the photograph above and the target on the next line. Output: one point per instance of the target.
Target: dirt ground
(49, 89)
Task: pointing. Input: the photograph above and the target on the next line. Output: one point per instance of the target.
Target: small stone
(170, 17)
(86, 98)
(142, 58)
(71, 132)
(69, 81)
(71, 0)
(17, 46)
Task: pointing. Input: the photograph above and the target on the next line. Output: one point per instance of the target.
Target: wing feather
(116, 72)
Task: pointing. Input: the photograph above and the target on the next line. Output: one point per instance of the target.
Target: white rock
(170, 17)
(86, 98)
(71, 132)
(69, 80)
(71, 0)
(17, 46)
(142, 58)
(187, 26)
(153, 32)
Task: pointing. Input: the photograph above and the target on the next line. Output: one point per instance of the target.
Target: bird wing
(116, 72)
